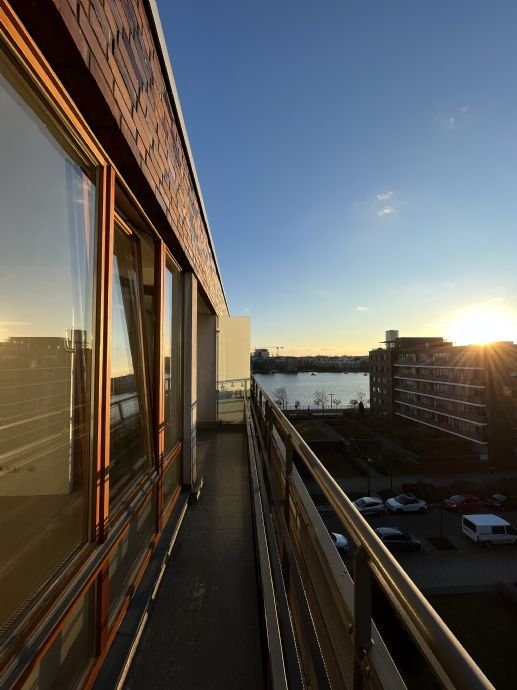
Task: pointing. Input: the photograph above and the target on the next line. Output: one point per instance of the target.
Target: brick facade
(107, 54)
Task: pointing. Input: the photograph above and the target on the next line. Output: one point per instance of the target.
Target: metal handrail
(443, 652)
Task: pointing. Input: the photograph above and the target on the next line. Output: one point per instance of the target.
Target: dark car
(463, 503)
(502, 502)
(397, 540)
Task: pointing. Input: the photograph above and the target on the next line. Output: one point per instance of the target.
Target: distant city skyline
(357, 162)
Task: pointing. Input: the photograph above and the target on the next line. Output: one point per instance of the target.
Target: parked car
(463, 503)
(488, 529)
(406, 503)
(502, 502)
(340, 542)
(397, 540)
(370, 505)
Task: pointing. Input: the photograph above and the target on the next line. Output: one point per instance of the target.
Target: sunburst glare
(482, 325)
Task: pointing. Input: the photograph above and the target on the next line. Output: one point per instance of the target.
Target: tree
(297, 404)
(281, 398)
(337, 402)
(354, 403)
(361, 396)
(321, 399)
(361, 407)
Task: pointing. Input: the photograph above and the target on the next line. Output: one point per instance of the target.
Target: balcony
(430, 377)
(256, 594)
(475, 414)
(475, 432)
(470, 397)
(456, 363)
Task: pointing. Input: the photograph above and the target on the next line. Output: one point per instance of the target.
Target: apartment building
(468, 391)
(115, 336)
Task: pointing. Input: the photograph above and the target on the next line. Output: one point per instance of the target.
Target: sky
(358, 163)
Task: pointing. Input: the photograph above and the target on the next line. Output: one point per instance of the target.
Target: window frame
(134, 486)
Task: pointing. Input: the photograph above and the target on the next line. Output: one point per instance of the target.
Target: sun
(481, 326)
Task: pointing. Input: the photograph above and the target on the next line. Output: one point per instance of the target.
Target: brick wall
(105, 53)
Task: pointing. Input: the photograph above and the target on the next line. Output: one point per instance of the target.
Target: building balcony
(473, 397)
(474, 414)
(256, 595)
(428, 377)
(470, 430)
(458, 363)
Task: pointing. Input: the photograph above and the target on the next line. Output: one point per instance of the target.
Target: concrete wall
(233, 348)
(206, 369)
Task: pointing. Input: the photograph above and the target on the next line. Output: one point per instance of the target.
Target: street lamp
(370, 462)
(331, 396)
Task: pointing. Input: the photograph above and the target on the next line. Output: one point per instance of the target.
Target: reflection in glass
(171, 354)
(129, 447)
(70, 655)
(171, 479)
(128, 554)
(47, 225)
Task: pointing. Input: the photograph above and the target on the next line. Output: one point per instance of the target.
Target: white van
(488, 529)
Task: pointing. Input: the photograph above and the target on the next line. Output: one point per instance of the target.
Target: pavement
(205, 629)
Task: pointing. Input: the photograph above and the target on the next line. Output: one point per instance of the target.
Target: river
(302, 386)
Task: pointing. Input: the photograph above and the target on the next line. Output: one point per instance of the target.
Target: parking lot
(467, 567)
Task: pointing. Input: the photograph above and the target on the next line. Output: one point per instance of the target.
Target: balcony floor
(204, 630)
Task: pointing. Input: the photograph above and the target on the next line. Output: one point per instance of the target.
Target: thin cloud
(451, 123)
(362, 308)
(384, 196)
(386, 211)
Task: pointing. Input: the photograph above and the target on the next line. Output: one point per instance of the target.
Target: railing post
(268, 430)
(287, 509)
(288, 472)
(362, 617)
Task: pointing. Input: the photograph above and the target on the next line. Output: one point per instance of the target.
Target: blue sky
(358, 161)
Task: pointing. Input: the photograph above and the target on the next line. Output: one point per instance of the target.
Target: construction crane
(271, 347)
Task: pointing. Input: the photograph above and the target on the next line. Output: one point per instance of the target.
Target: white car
(340, 542)
(406, 503)
(370, 505)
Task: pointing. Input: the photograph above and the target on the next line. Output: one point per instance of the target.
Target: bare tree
(354, 403)
(361, 396)
(337, 402)
(281, 398)
(297, 404)
(321, 399)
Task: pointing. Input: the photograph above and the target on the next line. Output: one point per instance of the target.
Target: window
(172, 314)
(128, 555)
(70, 655)
(47, 225)
(130, 424)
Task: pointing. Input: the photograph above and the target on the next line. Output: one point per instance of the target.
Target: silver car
(406, 503)
(369, 505)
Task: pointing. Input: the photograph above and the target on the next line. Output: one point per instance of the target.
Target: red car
(463, 503)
